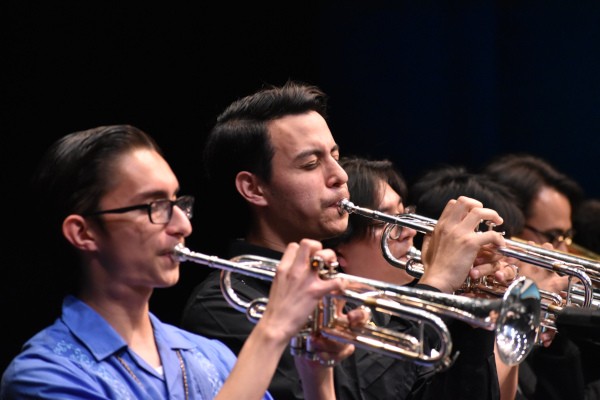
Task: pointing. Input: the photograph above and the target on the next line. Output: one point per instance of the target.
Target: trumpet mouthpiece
(345, 205)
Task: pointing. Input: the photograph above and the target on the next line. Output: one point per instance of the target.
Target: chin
(334, 232)
(171, 278)
(400, 252)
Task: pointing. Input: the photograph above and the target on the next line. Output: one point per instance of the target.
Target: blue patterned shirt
(81, 356)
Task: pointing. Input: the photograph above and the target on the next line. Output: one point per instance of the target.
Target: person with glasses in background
(110, 193)
(377, 185)
(547, 198)
(555, 237)
(430, 192)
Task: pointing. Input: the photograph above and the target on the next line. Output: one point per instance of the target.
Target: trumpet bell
(516, 328)
(579, 250)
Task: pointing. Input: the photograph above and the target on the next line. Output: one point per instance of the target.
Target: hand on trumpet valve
(297, 287)
(298, 290)
(454, 247)
(324, 351)
(546, 336)
(503, 271)
(546, 279)
(315, 348)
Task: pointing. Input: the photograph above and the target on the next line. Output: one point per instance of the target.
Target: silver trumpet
(514, 318)
(563, 263)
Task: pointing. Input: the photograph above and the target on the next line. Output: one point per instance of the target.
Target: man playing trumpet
(273, 155)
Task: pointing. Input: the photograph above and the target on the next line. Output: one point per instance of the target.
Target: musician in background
(273, 177)
(110, 193)
(547, 198)
(435, 186)
(378, 185)
(586, 227)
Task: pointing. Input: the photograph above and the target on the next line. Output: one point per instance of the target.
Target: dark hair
(586, 224)
(75, 172)
(71, 178)
(432, 191)
(364, 178)
(526, 174)
(239, 141)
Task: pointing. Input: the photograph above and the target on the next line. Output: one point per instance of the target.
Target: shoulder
(55, 343)
(54, 364)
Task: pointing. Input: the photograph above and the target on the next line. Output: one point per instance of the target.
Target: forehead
(294, 134)
(551, 209)
(142, 173)
(390, 200)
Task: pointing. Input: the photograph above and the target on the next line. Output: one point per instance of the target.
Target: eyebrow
(317, 152)
(388, 210)
(155, 194)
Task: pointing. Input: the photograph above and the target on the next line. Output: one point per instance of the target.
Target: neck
(130, 317)
(270, 242)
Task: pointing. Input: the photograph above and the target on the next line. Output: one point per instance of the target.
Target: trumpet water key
(514, 318)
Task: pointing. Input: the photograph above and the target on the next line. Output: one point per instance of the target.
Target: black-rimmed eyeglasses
(159, 211)
(554, 236)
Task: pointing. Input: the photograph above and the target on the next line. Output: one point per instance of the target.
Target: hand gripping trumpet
(560, 262)
(514, 318)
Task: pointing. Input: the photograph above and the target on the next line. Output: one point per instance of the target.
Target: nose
(401, 233)
(562, 246)
(179, 224)
(407, 233)
(337, 174)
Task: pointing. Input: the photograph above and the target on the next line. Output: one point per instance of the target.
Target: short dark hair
(526, 174)
(364, 177)
(432, 191)
(75, 171)
(239, 141)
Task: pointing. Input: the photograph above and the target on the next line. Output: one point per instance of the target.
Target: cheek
(293, 191)
(373, 251)
(526, 235)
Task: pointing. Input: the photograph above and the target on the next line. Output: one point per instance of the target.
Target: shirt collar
(101, 338)
(240, 246)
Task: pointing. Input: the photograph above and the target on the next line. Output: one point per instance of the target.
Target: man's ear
(78, 232)
(249, 186)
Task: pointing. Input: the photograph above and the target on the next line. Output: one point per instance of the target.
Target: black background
(421, 83)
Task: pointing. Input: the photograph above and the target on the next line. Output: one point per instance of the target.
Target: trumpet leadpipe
(261, 268)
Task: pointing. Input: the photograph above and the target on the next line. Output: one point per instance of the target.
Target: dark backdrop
(421, 83)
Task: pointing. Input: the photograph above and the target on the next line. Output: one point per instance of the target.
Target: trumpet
(560, 262)
(514, 318)
(578, 250)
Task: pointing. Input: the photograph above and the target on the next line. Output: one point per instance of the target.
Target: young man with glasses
(554, 236)
(113, 196)
(547, 197)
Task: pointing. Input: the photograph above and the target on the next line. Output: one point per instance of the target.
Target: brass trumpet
(514, 318)
(563, 263)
